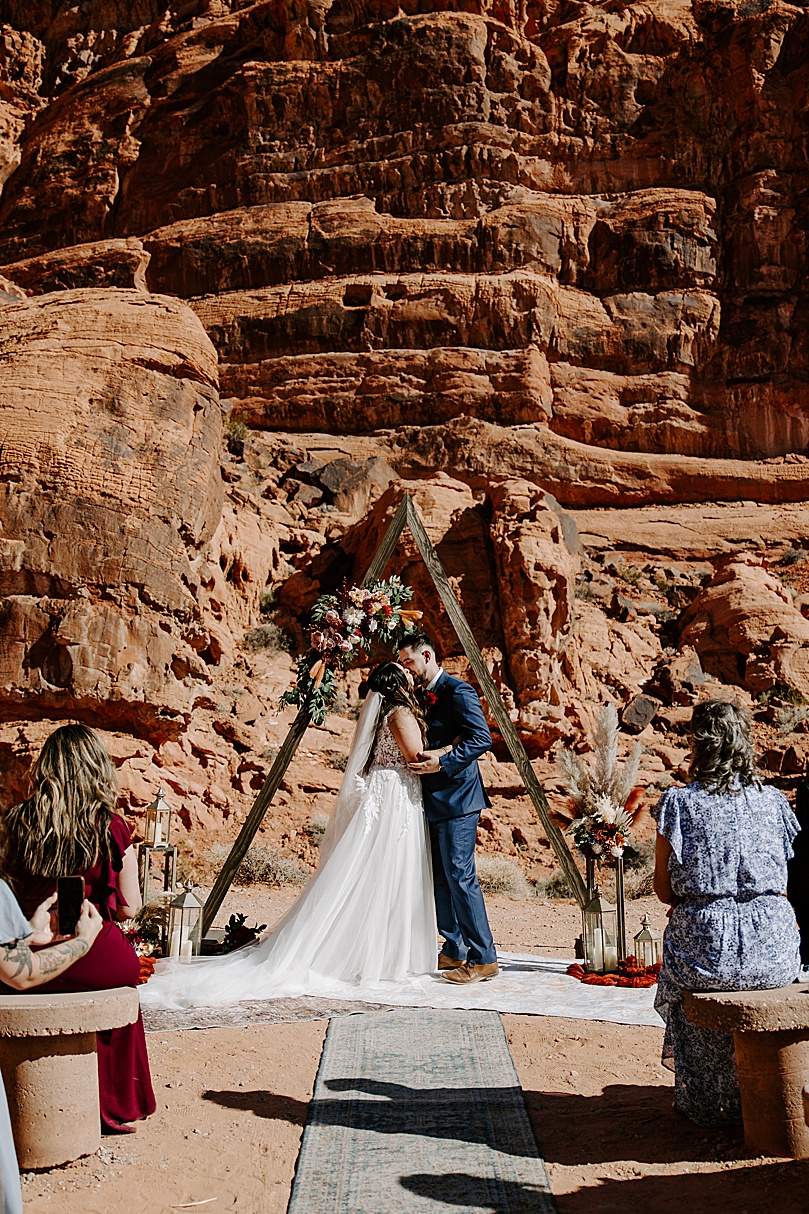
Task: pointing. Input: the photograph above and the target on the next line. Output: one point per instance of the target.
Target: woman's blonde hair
(63, 826)
(722, 756)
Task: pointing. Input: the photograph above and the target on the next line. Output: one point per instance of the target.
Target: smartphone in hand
(69, 899)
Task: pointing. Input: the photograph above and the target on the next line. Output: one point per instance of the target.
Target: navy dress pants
(459, 905)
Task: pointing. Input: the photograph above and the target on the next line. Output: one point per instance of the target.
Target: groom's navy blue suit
(453, 799)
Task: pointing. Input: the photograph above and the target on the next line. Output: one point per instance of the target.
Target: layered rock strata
(488, 255)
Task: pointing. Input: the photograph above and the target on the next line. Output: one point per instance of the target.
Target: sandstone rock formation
(488, 255)
(747, 630)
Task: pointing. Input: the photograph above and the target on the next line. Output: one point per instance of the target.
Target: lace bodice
(386, 752)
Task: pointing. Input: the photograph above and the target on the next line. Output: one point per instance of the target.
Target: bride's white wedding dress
(366, 916)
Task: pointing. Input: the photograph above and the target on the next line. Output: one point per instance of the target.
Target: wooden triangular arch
(407, 515)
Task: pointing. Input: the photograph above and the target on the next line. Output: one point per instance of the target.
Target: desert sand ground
(231, 1104)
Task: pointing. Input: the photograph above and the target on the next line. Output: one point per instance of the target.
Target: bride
(368, 914)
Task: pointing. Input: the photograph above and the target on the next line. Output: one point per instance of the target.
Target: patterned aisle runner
(417, 1111)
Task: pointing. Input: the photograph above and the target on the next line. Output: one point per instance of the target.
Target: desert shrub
(554, 886)
(268, 600)
(794, 556)
(235, 435)
(499, 875)
(639, 855)
(338, 761)
(316, 828)
(263, 865)
(639, 865)
(631, 574)
(781, 691)
(268, 637)
(788, 718)
(639, 882)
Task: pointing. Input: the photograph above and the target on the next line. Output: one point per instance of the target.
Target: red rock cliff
(531, 247)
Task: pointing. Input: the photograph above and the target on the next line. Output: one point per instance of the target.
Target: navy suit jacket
(458, 788)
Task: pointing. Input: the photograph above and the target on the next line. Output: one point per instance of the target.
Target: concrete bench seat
(771, 1037)
(49, 1063)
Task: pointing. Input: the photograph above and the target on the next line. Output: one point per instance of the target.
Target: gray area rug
(417, 1111)
(259, 1011)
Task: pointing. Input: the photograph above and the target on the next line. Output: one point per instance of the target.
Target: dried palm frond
(604, 780)
(605, 750)
(576, 777)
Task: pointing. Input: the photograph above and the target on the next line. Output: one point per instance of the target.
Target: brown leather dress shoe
(448, 963)
(472, 971)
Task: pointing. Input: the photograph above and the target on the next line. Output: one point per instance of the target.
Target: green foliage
(376, 612)
(554, 886)
(268, 637)
(235, 435)
(781, 691)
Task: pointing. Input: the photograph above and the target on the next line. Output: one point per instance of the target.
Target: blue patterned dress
(729, 930)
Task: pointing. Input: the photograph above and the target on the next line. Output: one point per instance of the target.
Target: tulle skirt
(366, 916)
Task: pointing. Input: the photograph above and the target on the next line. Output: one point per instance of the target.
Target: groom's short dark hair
(419, 640)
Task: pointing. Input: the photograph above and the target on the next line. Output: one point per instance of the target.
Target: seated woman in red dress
(69, 825)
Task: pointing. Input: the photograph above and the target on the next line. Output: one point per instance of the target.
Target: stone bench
(771, 1036)
(49, 1064)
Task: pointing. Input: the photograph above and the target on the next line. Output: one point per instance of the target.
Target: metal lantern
(648, 944)
(158, 822)
(185, 924)
(599, 933)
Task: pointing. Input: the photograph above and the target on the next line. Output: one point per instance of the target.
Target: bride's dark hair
(391, 682)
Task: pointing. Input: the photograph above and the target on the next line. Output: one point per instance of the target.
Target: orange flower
(410, 617)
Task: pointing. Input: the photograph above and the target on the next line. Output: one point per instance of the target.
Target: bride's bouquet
(342, 627)
(603, 798)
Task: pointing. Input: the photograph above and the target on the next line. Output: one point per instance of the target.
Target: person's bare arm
(429, 761)
(406, 734)
(128, 887)
(22, 969)
(662, 876)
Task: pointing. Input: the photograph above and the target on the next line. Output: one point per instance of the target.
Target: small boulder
(639, 713)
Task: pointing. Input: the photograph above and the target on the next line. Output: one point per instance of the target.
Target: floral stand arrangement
(604, 802)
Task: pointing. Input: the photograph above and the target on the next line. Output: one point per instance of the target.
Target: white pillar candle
(158, 833)
(179, 939)
(610, 958)
(186, 949)
(598, 949)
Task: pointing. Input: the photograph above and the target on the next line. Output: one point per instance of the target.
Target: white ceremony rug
(534, 986)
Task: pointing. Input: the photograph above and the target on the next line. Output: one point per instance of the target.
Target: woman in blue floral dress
(721, 857)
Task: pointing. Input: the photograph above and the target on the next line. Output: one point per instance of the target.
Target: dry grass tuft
(499, 875)
(263, 865)
(316, 828)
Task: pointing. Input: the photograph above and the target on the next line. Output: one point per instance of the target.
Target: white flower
(352, 616)
(372, 625)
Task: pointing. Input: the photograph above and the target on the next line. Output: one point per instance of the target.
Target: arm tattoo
(54, 959)
(18, 953)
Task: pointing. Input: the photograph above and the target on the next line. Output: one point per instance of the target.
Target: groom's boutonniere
(430, 698)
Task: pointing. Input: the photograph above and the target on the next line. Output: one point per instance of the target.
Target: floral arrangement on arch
(343, 626)
(604, 800)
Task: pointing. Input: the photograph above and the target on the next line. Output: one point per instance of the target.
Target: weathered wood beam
(286, 754)
(495, 701)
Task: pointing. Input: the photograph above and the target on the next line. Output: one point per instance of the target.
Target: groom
(457, 735)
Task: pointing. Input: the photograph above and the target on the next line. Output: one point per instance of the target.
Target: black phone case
(70, 895)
